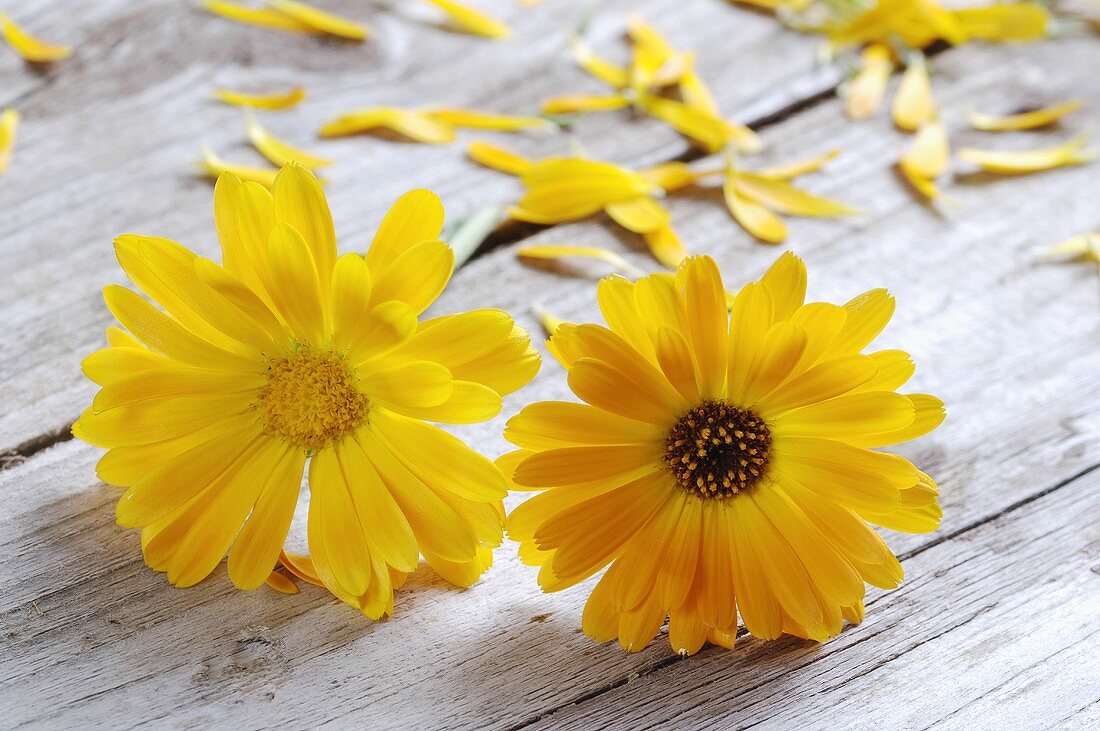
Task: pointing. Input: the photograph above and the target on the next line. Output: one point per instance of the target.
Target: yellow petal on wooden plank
(320, 20)
(696, 93)
(555, 251)
(1018, 21)
(1025, 120)
(913, 102)
(418, 126)
(607, 72)
(666, 246)
(550, 322)
(274, 102)
(215, 167)
(472, 21)
(497, 158)
(672, 176)
(487, 120)
(578, 103)
(1082, 247)
(863, 94)
(29, 47)
(281, 583)
(759, 221)
(9, 122)
(792, 170)
(783, 197)
(711, 131)
(1022, 162)
(276, 150)
(260, 17)
(925, 186)
(928, 156)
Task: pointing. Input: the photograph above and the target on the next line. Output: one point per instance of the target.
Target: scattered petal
(929, 153)
(550, 323)
(577, 103)
(419, 126)
(472, 21)
(260, 17)
(29, 47)
(214, 166)
(759, 221)
(1022, 162)
(785, 198)
(553, 252)
(485, 120)
(1025, 120)
(913, 102)
(497, 158)
(792, 170)
(281, 583)
(1083, 247)
(607, 72)
(863, 94)
(276, 150)
(9, 122)
(277, 101)
(322, 21)
(1018, 21)
(666, 246)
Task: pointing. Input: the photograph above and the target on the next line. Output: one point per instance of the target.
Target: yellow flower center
(717, 450)
(310, 398)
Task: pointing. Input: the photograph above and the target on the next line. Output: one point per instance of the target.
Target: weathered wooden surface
(996, 625)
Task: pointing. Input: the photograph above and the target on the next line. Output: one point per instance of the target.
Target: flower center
(718, 450)
(310, 398)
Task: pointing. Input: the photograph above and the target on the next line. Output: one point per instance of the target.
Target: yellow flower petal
(29, 47)
(1019, 21)
(1026, 120)
(928, 156)
(261, 17)
(276, 150)
(1083, 247)
(571, 188)
(696, 93)
(9, 122)
(497, 158)
(607, 72)
(640, 215)
(666, 246)
(485, 120)
(472, 21)
(215, 167)
(552, 252)
(577, 103)
(325, 22)
(415, 217)
(863, 94)
(785, 198)
(1021, 162)
(759, 221)
(913, 102)
(419, 126)
(672, 176)
(549, 321)
(276, 101)
(709, 130)
(792, 170)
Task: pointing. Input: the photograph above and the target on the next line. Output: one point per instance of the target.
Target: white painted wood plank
(997, 628)
(110, 138)
(1009, 344)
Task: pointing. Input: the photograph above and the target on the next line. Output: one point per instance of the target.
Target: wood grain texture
(110, 138)
(994, 627)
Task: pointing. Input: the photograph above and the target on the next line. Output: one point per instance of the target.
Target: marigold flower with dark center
(723, 461)
(287, 359)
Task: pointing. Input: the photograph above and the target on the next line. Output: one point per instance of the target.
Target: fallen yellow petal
(419, 126)
(29, 47)
(1083, 247)
(497, 158)
(925, 186)
(567, 189)
(641, 215)
(1026, 120)
(554, 252)
(281, 583)
(277, 101)
(215, 167)
(550, 323)
(605, 71)
(1021, 162)
(792, 170)
(759, 221)
(325, 22)
(276, 150)
(671, 175)
(9, 122)
(666, 246)
(913, 102)
(1019, 21)
(261, 17)
(577, 103)
(485, 120)
(783, 197)
(709, 130)
(472, 21)
(863, 94)
(928, 156)
(696, 93)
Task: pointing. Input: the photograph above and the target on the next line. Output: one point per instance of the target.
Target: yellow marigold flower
(722, 462)
(9, 122)
(571, 188)
(429, 126)
(287, 359)
(656, 67)
(29, 47)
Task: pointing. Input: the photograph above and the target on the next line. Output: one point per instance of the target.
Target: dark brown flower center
(718, 450)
